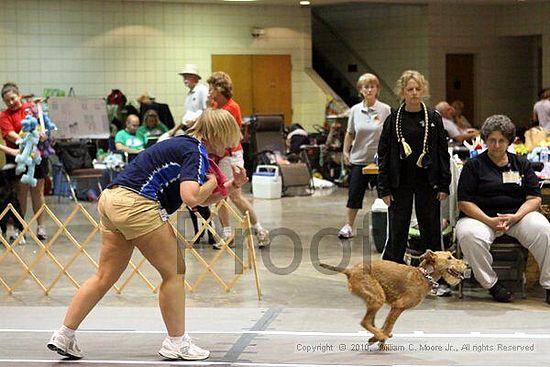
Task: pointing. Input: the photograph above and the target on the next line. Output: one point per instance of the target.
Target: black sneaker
(548, 296)
(500, 293)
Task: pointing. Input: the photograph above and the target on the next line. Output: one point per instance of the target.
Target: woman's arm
(444, 179)
(12, 136)
(193, 194)
(9, 151)
(473, 211)
(348, 139)
(530, 205)
(384, 148)
(123, 148)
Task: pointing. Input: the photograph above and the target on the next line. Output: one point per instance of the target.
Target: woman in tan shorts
(133, 213)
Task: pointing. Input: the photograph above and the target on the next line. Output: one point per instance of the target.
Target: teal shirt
(131, 141)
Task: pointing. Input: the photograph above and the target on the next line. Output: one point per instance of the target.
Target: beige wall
(139, 47)
(389, 37)
(504, 56)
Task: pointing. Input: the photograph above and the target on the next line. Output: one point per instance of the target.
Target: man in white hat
(196, 99)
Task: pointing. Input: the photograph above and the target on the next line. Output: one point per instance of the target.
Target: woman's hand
(346, 158)
(239, 176)
(388, 199)
(507, 220)
(442, 196)
(42, 136)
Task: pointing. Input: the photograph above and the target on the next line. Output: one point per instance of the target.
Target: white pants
(226, 162)
(475, 239)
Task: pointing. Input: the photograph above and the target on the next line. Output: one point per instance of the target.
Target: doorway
(261, 83)
(460, 81)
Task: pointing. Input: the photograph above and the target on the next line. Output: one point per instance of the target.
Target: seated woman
(498, 193)
(152, 126)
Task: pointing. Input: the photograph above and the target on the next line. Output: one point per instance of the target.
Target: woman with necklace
(365, 123)
(413, 163)
(498, 193)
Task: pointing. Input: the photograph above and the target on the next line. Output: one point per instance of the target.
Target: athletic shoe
(263, 237)
(226, 237)
(41, 233)
(187, 351)
(441, 291)
(500, 293)
(346, 232)
(65, 346)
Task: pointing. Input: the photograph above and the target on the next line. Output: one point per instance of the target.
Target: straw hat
(190, 69)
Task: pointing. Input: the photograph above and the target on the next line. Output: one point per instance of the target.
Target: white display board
(79, 117)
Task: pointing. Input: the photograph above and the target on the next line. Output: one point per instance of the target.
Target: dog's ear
(428, 257)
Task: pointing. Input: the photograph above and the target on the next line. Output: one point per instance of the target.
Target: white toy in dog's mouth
(455, 273)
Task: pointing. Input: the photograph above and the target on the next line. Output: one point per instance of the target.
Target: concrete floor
(305, 318)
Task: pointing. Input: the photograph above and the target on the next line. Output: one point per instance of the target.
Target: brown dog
(400, 286)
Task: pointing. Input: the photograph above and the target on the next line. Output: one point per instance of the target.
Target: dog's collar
(427, 272)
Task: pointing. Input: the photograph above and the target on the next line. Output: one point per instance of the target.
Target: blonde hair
(368, 78)
(404, 79)
(218, 127)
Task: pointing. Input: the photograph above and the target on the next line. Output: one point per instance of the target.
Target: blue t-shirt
(156, 172)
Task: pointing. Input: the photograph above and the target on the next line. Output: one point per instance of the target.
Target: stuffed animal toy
(29, 156)
(45, 147)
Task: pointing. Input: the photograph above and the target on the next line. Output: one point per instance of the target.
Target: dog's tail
(335, 268)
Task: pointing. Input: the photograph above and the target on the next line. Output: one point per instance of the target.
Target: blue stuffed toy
(29, 156)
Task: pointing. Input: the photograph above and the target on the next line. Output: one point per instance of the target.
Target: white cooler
(267, 183)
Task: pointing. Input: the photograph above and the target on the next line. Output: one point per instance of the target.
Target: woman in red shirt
(220, 93)
(10, 125)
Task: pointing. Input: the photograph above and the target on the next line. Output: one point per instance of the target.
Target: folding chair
(76, 165)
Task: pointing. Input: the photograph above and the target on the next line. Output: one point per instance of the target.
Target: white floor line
(200, 363)
(359, 334)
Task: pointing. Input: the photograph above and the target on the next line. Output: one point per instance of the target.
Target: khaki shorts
(125, 212)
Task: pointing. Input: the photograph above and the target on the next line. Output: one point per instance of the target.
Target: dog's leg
(373, 295)
(368, 323)
(390, 320)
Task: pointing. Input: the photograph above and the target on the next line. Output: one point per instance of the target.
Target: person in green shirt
(128, 140)
(152, 126)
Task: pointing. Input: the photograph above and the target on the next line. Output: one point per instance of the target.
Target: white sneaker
(16, 234)
(263, 237)
(64, 346)
(41, 233)
(226, 238)
(345, 232)
(187, 351)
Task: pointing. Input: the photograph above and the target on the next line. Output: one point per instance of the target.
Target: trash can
(379, 222)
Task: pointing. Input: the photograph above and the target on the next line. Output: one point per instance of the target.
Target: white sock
(69, 333)
(178, 340)
(258, 227)
(227, 231)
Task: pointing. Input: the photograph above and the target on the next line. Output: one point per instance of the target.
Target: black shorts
(358, 184)
(40, 171)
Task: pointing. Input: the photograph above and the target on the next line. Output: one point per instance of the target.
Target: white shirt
(196, 98)
(365, 124)
(450, 127)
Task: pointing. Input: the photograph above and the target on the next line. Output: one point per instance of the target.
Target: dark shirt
(412, 126)
(156, 173)
(481, 183)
